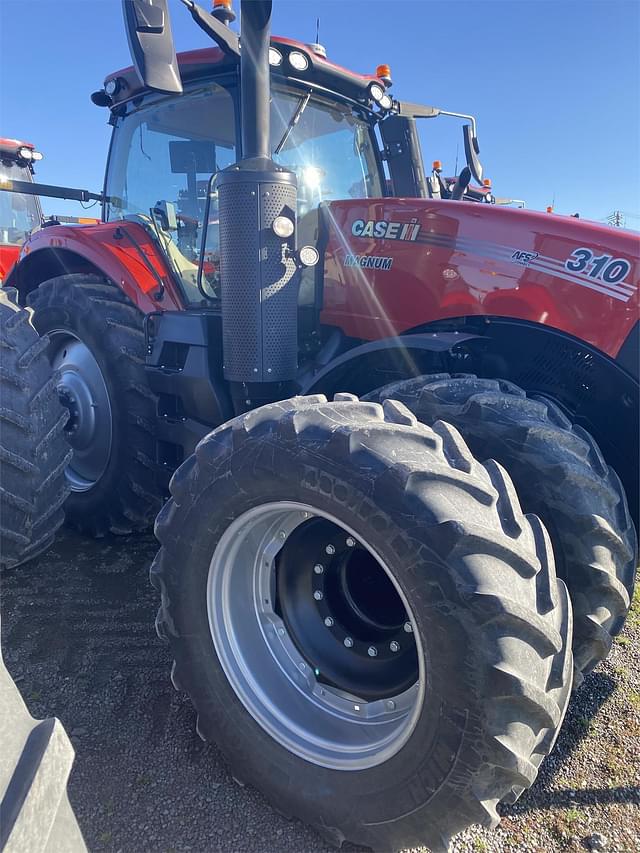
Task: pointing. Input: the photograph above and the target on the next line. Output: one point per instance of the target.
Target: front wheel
(364, 619)
(97, 348)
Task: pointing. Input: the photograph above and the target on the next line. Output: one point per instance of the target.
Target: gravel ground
(78, 639)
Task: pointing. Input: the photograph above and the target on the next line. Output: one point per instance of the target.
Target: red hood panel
(459, 258)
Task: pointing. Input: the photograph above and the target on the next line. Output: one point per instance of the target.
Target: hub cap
(83, 391)
(315, 636)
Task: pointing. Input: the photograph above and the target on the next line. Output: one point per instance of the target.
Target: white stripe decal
(592, 285)
(542, 263)
(622, 291)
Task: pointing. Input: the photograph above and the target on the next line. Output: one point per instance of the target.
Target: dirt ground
(78, 638)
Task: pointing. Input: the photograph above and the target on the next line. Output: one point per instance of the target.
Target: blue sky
(554, 84)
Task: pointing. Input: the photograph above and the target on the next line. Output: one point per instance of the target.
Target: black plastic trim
(629, 355)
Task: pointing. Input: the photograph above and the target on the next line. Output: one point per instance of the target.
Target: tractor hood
(482, 260)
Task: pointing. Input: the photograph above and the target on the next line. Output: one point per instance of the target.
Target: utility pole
(616, 219)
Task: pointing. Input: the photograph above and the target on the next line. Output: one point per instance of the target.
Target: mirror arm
(474, 130)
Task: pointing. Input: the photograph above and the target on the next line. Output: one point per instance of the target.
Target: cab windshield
(19, 214)
(163, 155)
(327, 145)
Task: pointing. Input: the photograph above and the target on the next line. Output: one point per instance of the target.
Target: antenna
(455, 170)
(318, 30)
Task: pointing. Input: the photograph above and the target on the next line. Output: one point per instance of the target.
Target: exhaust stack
(257, 213)
(255, 20)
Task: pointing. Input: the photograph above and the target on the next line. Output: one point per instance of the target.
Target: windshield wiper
(295, 118)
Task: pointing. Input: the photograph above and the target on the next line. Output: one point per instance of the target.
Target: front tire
(450, 581)
(97, 345)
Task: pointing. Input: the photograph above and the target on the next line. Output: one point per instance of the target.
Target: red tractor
(19, 213)
(368, 623)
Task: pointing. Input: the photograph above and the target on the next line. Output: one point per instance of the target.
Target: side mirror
(151, 44)
(471, 151)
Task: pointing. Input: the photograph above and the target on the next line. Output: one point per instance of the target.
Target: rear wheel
(561, 476)
(97, 347)
(365, 621)
(33, 452)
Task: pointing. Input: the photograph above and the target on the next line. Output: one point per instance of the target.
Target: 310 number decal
(605, 267)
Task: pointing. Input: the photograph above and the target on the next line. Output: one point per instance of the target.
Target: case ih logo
(387, 230)
(524, 258)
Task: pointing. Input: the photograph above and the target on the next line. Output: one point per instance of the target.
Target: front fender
(121, 251)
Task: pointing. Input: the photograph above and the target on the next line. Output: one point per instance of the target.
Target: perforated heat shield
(258, 275)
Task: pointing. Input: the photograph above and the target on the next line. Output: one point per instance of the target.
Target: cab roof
(11, 146)
(202, 63)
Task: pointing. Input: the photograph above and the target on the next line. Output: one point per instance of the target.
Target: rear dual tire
(561, 476)
(490, 621)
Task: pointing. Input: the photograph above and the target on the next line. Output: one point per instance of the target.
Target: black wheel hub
(69, 402)
(343, 613)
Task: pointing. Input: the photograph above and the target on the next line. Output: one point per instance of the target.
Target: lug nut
(318, 568)
(391, 705)
(408, 627)
(394, 646)
(348, 642)
(328, 621)
(330, 549)
(351, 542)
(318, 595)
(282, 534)
(372, 651)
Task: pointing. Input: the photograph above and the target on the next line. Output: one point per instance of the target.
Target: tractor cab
(19, 213)
(165, 148)
(341, 134)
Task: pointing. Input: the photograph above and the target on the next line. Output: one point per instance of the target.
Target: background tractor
(21, 212)
(365, 618)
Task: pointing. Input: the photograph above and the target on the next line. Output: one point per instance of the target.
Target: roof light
(487, 182)
(275, 57)
(36, 155)
(376, 91)
(437, 165)
(25, 153)
(386, 102)
(298, 60)
(550, 209)
(112, 86)
(384, 73)
(225, 3)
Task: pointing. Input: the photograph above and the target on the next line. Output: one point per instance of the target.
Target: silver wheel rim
(271, 676)
(83, 391)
